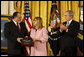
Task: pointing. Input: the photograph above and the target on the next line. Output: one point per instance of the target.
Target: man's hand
(63, 27)
(19, 39)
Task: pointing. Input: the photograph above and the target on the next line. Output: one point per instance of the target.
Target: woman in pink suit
(40, 37)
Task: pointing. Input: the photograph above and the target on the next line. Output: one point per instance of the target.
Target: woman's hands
(36, 39)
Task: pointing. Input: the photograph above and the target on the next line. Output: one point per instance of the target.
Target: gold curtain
(63, 8)
(42, 9)
(76, 10)
(69, 5)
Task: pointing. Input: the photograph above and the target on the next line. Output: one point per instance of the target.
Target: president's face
(67, 17)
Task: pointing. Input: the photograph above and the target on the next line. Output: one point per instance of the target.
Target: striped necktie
(18, 27)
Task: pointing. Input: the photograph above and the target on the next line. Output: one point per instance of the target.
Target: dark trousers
(69, 51)
(55, 47)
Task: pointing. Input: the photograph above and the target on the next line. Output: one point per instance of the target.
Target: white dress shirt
(68, 23)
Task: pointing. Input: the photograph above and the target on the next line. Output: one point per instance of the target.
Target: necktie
(67, 24)
(18, 27)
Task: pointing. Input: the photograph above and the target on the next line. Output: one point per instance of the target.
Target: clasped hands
(19, 40)
(37, 39)
(62, 27)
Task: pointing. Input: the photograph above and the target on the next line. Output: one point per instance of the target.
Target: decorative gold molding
(5, 18)
(3, 47)
(5, 15)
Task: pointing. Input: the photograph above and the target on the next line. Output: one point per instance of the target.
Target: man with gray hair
(68, 35)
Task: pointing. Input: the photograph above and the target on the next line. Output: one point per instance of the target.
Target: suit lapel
(15, 27)
(20, 27)
(71, 24)
(65, 23)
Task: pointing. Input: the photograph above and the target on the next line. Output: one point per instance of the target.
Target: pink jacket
(39, 48)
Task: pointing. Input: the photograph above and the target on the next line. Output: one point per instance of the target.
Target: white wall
(7, 7)
(4, 7)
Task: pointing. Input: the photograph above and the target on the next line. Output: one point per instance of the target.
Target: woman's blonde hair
(40, 25)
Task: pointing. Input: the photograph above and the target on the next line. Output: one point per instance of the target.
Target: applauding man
(68, 40)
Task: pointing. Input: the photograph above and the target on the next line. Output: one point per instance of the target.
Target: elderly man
(68, 38)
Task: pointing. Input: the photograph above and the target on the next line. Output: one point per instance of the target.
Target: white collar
(15, 22)
(70, 21)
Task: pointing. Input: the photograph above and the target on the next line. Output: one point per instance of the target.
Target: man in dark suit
(15, 31)
(68, 35)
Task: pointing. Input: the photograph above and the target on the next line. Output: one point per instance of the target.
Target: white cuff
(67, 30)
(60, 31)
